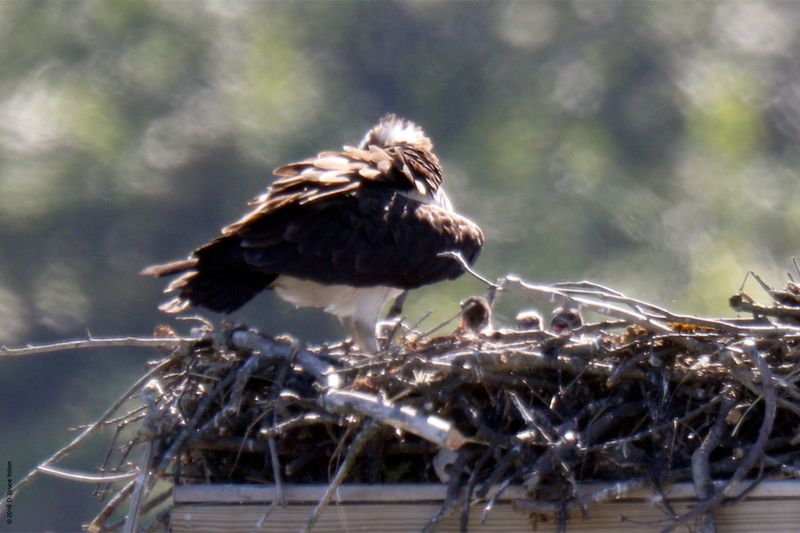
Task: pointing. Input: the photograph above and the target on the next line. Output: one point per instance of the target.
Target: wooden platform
(773, 507)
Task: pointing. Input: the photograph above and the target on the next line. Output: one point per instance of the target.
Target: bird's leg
(388, 328)
(396, 308)
(362, 334)
(347, 322)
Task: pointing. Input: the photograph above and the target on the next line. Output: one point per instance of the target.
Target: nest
(643, 398)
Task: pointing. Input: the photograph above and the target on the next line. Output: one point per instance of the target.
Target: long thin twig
(367, 432)
(96, 342)
(468, 269)
(432, 428)
(97, 523)
(150, 394)
(82, 477)
(453, 486)
(139, 490)
(202, 407)
(133, 389)
(701, 460)
(315, 366)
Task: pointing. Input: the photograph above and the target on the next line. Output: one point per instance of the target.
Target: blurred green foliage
(651, 146)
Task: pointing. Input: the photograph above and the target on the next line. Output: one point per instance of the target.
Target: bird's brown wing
(333, 174)
(362, 238)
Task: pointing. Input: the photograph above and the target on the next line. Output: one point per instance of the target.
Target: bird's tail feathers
(217, 278)
(168, 269)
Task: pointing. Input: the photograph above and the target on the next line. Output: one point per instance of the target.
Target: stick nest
(643, 398)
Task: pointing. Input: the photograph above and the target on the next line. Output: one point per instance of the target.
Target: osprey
(565, 319)
(344, 231)
(529, 320)
(476, 316)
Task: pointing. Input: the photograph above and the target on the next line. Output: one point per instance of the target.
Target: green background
(651, 146)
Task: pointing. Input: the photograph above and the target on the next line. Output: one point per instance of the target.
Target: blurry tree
(651, 146)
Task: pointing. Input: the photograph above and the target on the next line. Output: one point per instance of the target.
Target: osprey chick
(476, 316)
(344, 231)
(565, 319)
(529, 320)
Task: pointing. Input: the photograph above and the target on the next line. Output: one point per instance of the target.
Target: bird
(476, 316)
(565, 319)
(529, 320)
(344, 231)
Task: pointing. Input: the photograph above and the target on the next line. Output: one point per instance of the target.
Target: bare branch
(429, 427)
(98, 342)
(82, 477)
(468, 269)
(366, 433)
(91, 429)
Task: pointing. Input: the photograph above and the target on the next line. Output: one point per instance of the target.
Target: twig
(252, 340)
(785, 468)
(130, 416)
(139, 490)
(439, 326)
(468, 269)
(521, 361)
(770, 404)
(499, 471)
(432, 428)
(701, 471)
(472, 482)
(97, 342)
(150, 394)
(451, 498)
(367, 432)
(650, 324)
(657, 428)
(82, 477)
(280, 379)
(780, 311)
(157, 500)
(91, 429)
(307, 419)
(202, 407)
(653, 311)
(96, 525)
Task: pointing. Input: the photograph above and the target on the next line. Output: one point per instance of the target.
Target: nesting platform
(773, 506)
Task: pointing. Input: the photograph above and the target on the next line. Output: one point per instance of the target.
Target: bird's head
(565, 319)
(529, 320)
(476, 315)
(421, 171)
(392, 130)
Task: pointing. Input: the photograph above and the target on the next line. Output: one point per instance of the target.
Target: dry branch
(97, 342)
(431, 428)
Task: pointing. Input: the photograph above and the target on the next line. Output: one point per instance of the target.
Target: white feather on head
(392, 129)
